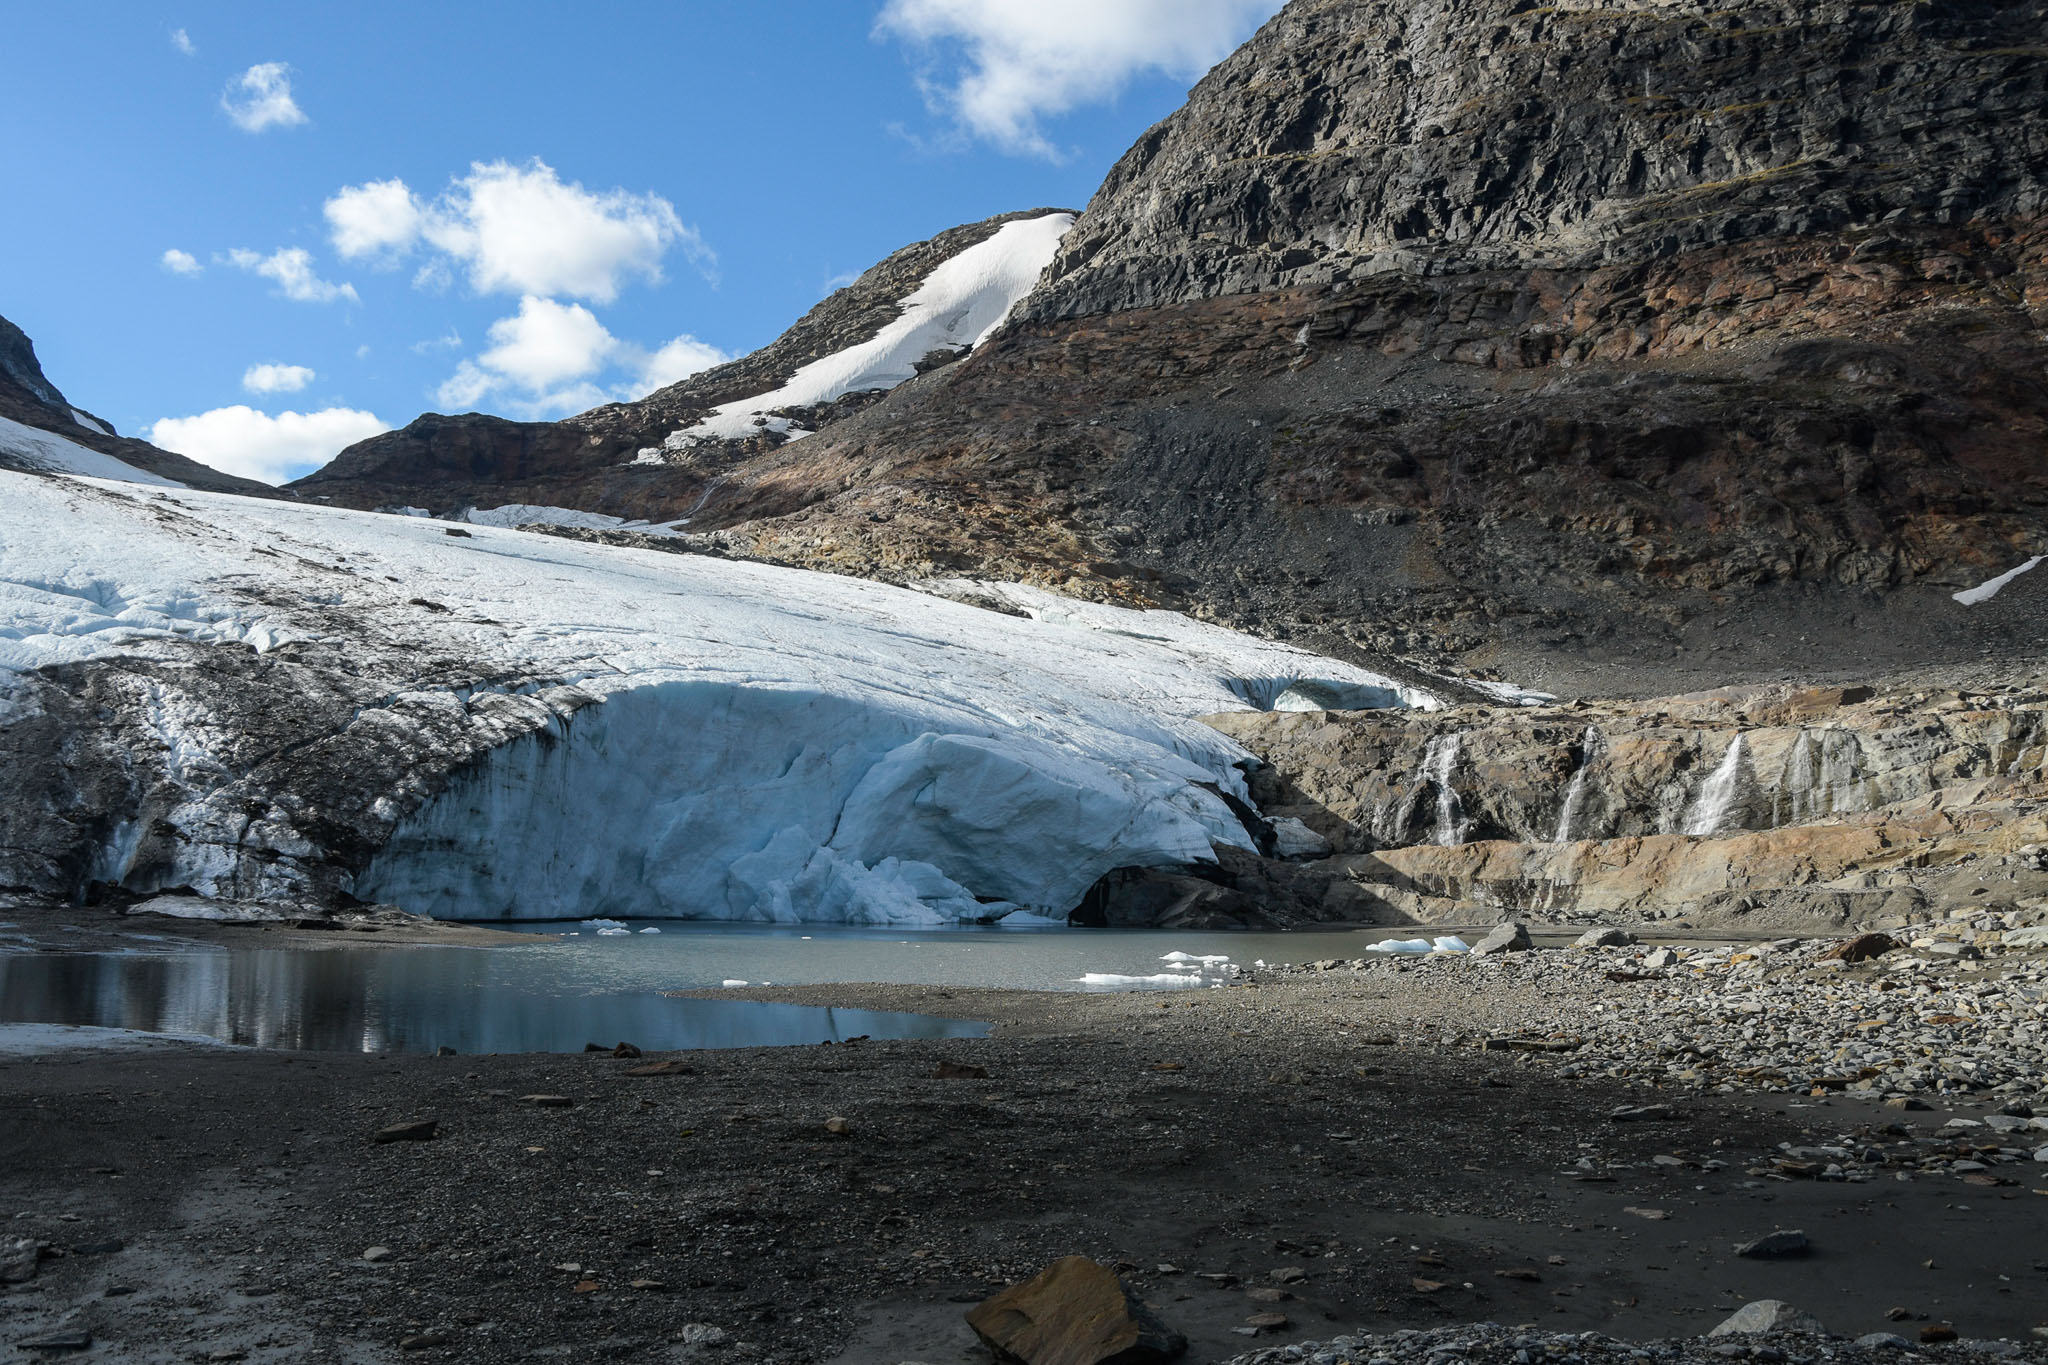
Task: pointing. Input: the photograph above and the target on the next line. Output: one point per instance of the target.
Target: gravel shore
(1338, 1148)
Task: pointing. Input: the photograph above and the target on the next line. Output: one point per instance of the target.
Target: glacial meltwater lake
(575, 985)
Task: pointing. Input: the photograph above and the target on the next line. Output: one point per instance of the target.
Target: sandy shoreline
(1316, 1124)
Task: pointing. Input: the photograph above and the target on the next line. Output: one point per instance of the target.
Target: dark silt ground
(1293, 1135)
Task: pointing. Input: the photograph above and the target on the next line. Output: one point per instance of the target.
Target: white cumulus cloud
(373, 219)
(516, 229)
(261, 97)
(241, 440)
(181, 41)
(547, 343)
(1004, 64)
(546, 361)
(181, 262)
(276, 378)
(291, 269)
(679, 359)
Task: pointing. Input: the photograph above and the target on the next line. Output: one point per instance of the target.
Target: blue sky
(380, 209)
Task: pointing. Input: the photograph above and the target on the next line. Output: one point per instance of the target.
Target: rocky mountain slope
(29, 400)
(591, 462)
(1616, 347)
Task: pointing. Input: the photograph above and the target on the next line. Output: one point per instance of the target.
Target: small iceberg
(1450, 943)
(1216, 961)
(1115, 979)
(1399, 945)
(650, 931)
(730, 981)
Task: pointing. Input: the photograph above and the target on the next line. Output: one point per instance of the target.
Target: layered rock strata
(1806, 808)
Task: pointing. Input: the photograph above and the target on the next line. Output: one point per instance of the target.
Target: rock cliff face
(1803, 808)
(1352, 138)
(27, 396)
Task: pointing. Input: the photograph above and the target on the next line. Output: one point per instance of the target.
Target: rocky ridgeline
(446, 463)
(27, 396)
(1815, 808)
(1956, 1009)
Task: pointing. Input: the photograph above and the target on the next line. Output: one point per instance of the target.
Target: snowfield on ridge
(959, 304)
(302, 702)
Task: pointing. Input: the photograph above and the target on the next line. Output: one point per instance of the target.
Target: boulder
(2034, 937)
(1784, 1242)
(1767, 1315)
(1861, 948)
(417, 1130)
(1608, 937)
(1511, 937)
(1074, 1312)
(1294, 839)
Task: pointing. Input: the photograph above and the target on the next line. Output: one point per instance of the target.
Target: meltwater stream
(585, 987)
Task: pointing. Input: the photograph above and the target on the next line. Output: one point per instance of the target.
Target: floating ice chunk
(1217, 960)
(1401, 945)
(1451, 943)
(732, 981)
(1117, 979)
(650, 931)
(603, 924)
(613, 933)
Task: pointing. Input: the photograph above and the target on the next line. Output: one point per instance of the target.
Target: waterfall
(1591, 746)
(1437, 761)
(1822, 777)
(1717, 794)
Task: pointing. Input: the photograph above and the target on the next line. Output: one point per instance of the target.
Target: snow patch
(48, 453)
(534, 514)
(1988, 589)
(959, 304)
(1286, 678)
(88, 423)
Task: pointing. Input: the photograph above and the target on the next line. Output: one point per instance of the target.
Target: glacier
(259, 700)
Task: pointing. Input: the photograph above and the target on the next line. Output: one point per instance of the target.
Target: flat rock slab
(667, 1068)
(1074, 1312)
(419, 1130)
(63, 1339)
(548, 1101)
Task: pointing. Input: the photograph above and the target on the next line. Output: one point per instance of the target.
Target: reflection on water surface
(410, 1000)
